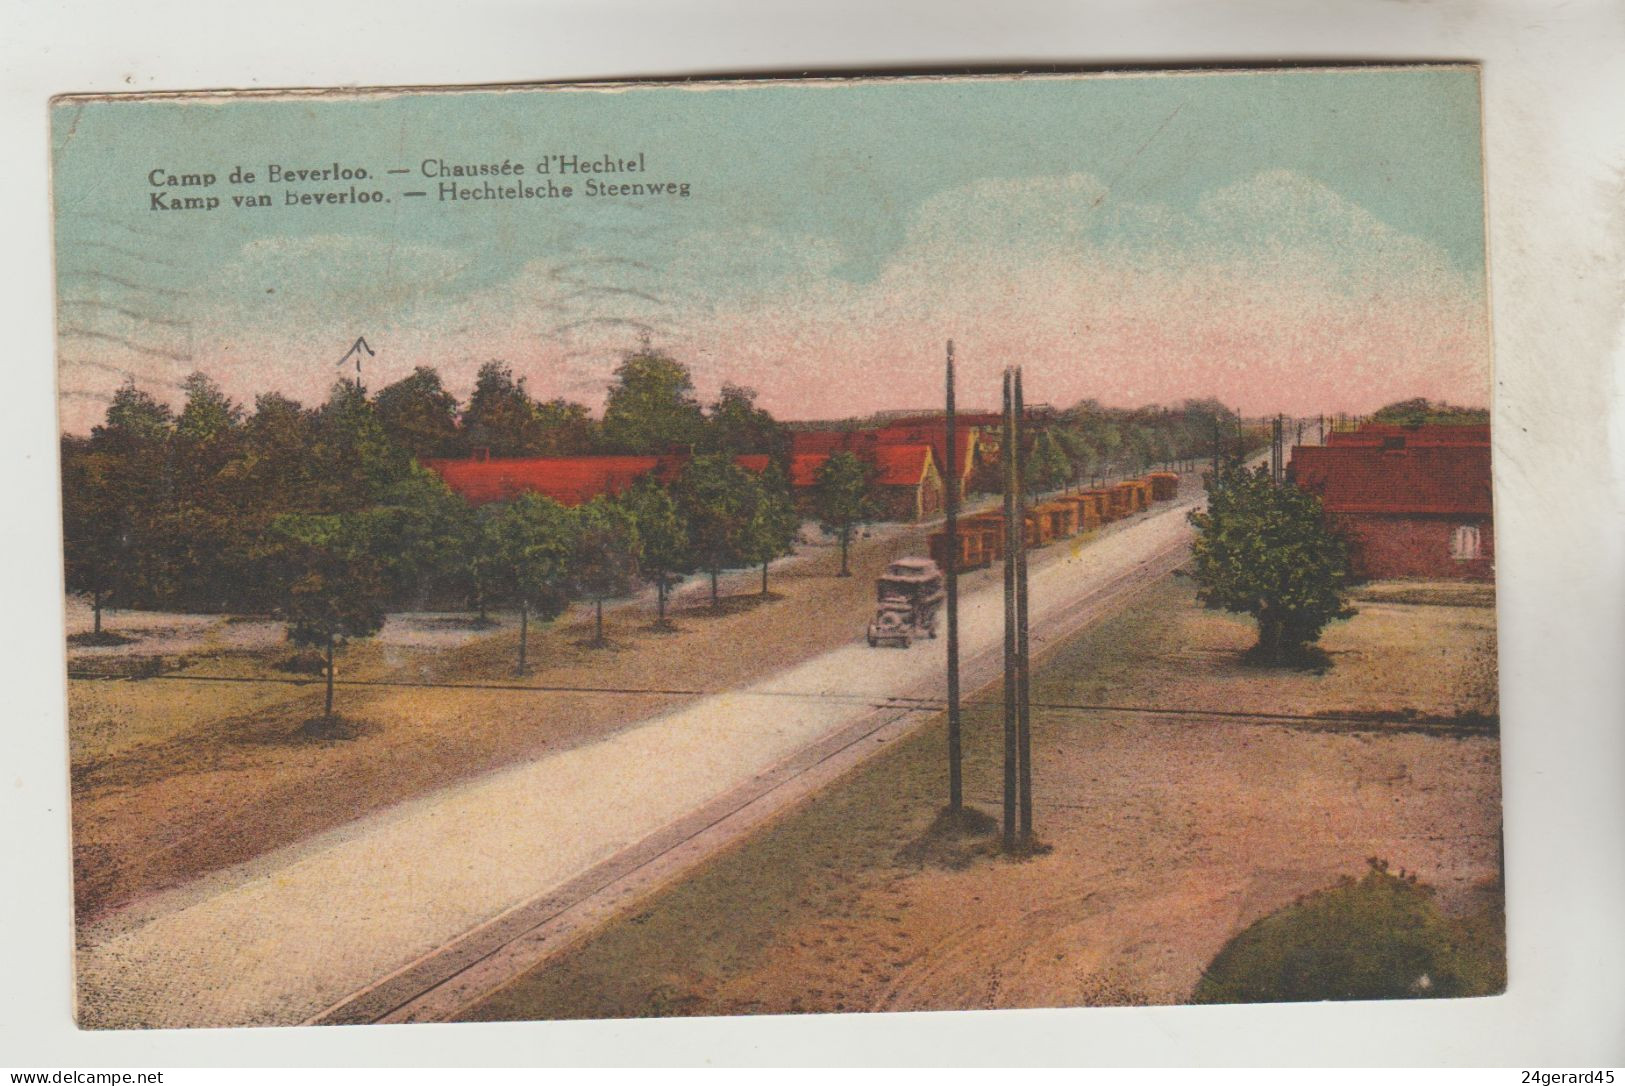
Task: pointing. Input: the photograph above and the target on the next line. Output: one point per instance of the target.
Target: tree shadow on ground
(332, 728)
(729, 605)
(105, 638)
(600, 644)
(1311, 658)
(661, 627)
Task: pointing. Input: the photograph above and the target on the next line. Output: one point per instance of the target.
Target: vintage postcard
(776, 546)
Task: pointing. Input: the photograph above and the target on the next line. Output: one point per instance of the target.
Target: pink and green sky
(1302, 241)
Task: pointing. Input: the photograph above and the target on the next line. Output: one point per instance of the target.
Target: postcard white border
(1556, 158)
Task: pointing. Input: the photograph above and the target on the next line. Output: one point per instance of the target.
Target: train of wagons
(981, 535)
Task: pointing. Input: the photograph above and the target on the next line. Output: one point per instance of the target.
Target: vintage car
(908, 597)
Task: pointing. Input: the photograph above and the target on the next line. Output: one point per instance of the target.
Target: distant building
(906, 482)
(1411, 503)
(810, 448)
(568, 480)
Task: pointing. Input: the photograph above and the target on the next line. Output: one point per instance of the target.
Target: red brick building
(1410, 503)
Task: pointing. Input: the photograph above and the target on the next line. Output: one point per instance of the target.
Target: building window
(1464, 543)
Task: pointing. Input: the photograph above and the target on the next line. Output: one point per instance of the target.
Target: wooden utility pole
(1024, 739)
(956, 796)
(1012, 539)
(1277, 454)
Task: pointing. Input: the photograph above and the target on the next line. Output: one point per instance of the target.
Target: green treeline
(1088, 442)
(1424, 412)
(326, 516)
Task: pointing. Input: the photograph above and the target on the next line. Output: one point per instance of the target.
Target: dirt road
(279, 938)
(1169, 833)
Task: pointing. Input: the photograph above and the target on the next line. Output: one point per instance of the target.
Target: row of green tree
(1089, 442)
(651, 408)
(337, 573)
(176, 511)
(1424, 412)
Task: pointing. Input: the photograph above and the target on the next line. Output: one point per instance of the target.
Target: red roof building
(810, 448)
(906, 481)
(1409, 508)
(934, 432)
(568, 480)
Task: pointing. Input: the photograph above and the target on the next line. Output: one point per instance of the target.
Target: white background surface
(1555, 131)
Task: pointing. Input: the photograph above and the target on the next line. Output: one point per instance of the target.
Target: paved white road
(278, 939)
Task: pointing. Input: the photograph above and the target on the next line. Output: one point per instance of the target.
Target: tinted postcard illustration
(778, 546)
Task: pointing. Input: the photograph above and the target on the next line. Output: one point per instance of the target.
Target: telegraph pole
(1012, 539)
(956, 798)
(1024, 739)
(1274, 451)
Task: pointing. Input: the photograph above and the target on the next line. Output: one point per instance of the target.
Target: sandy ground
(172, 777)
(336, 911)
(1169, 835)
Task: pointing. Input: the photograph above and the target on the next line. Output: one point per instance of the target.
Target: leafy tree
(563, 428)
(420, 416)
(1075, 447)
(651, 406)
(274, 465)
(535, 545)
(771, 531)
(354, 462)
(1379, 937)
(663, 535)
(209, 416)
(133, 418)
(204, 528)
(717, 499)
(736, 425)
(605, 563)
(423, 528)
(480, 578)
(1266, 551)
(843, 499)
(501, 416)
(1047, 466)
(95, 538)
(332, 581)
(1423, 412)
(135, 477)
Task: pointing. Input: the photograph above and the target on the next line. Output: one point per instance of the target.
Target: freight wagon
(1057, 519)
(979, 546)
(994, 521)
(1091, 507)
(1120, 501)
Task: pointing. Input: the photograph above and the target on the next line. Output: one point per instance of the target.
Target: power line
(989, 708)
